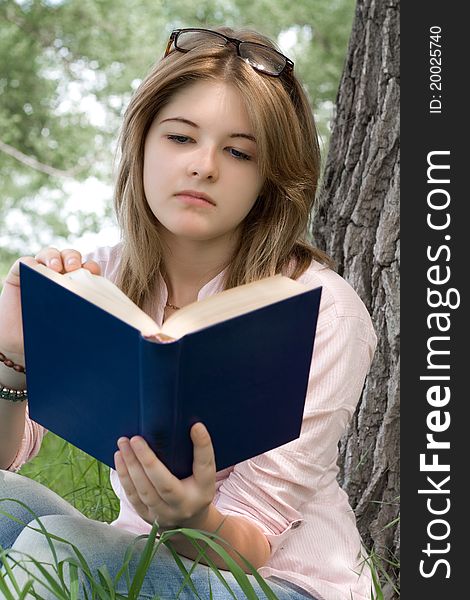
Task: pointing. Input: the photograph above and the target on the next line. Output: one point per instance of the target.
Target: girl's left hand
(156, 494)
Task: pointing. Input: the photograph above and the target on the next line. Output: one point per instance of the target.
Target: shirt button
(296, 524)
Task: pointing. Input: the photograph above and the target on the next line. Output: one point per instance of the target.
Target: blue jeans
(102, 544)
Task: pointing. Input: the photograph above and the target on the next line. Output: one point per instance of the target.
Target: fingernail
(72, 261)
(54, 262)
(137, 442)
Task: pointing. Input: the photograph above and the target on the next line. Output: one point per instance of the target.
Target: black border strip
(434, 126)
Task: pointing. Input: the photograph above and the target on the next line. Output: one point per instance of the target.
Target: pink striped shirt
(291, 492)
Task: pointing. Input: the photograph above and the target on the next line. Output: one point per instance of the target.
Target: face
(201, 174)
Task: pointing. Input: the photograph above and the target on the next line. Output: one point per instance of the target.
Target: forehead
(209, 102)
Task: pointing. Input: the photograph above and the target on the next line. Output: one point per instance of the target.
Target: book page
(227, 304)
(231, 303)
(103, 293)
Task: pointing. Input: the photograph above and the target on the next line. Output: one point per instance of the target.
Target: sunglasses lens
(263, 58)
(189, 40)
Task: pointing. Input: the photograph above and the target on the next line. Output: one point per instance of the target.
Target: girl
(217, 179)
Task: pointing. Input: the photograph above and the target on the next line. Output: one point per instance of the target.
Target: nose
(203, 164)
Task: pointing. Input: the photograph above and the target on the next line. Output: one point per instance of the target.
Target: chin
(197, 234)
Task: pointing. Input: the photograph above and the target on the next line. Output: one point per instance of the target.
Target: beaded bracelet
(9, 363)
(7, 393)
(12, 395)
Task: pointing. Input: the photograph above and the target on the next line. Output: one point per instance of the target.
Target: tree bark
(357, 223)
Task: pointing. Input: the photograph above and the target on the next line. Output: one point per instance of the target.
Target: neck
(189, 265)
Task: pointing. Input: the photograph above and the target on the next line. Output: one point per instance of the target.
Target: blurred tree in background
(67, 70)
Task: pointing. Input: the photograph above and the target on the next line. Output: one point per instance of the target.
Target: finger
(143, 485)
(168, 486)
(71, 259)
(127, 484)
(13, 276)
(92, 266)
(50, 257)
(203, 455)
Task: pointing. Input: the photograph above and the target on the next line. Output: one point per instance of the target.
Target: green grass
(76, 476)
(380, 576)
(103, 586)
(84, 482)
(386, 569)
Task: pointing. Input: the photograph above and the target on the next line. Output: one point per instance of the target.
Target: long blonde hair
(273, 235)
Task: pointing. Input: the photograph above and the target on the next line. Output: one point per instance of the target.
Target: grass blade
(144, 564)
(238, 573)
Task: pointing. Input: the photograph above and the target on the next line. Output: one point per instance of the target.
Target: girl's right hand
(11, 326)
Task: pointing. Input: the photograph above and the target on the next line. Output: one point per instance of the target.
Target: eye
(239, 155)
(179, 139)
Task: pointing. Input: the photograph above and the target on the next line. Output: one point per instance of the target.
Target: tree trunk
(358, 225)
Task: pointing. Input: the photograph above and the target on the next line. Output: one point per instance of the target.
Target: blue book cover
(93, 378)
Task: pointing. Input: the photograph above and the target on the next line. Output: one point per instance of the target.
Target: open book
(238, 361)
(212, 310)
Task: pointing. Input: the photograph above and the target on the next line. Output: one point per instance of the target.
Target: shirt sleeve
(30, 444)
(270, 489)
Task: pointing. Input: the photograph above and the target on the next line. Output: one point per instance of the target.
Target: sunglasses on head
(262, 58)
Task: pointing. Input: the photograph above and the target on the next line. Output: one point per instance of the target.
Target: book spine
(159, 369)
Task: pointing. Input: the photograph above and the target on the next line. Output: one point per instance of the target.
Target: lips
(195, 194)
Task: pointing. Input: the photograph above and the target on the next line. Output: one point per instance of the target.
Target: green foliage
(76, 476)
(101, 586)
(84, 482)
(379, 567)
(68, 67)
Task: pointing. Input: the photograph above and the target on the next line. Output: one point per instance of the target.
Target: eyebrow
(247, 136)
